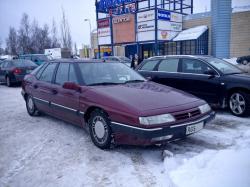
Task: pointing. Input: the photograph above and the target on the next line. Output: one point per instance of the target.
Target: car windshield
(23, 63)
(223, 66)
(108, 74)
(123, 58)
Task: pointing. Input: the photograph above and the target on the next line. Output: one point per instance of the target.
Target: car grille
(187, 115)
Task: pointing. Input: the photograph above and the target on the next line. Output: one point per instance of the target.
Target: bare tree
(65, 32)
(75, 49)
(1, 49)
(24, 43)
(11, 41)
(54, 36)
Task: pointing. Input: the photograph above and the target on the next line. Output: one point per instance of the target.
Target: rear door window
(149, 65)
(48, 73)
(62, 74)
(169, 65)
(194, 66)
(72, 74)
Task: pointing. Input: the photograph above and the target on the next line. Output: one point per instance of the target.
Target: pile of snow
(232, 61)
(191, 34)
(228, 168)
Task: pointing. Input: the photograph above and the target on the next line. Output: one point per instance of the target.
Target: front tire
(30, 106)
(239, 103)
(99, 129)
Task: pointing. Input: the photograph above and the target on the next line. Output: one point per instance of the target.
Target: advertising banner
(166, 35)
(102, 23)
(104, 36)
(171, 26)
(145, 16)
(146, 36)
(124, 29)
(146, 26)
(164, 15)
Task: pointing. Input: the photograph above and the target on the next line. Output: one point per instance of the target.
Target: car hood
(146, 96)
(239, 78)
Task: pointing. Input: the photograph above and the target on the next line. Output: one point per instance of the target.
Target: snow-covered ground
(43, 151)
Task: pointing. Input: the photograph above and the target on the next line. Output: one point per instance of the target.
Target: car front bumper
(126, 134)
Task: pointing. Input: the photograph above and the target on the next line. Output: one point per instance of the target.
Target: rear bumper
(126, 134)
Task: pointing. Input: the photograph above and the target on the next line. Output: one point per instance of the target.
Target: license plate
(194, 128)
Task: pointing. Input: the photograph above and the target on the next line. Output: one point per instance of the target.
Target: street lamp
(90, 28)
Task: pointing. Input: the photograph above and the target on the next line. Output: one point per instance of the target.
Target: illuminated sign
(164, 15)
(108, 4)
(102, 23)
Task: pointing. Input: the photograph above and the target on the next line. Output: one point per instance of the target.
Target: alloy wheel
(237, 104)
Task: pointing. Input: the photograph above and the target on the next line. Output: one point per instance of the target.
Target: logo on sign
(121, 19)
(145, 26)
(103, 23)
(164, 15)
(164, 34)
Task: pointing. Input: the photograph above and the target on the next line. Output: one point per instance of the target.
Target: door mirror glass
(210, 72)
(72, 86)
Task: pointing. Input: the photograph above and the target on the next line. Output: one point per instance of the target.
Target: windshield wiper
(134, 81)
(103, 83)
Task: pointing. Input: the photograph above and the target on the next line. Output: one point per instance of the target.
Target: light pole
(90, 28)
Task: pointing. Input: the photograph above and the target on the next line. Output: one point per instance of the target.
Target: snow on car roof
(191, 34)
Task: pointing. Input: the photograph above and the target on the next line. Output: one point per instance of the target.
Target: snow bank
(232, 61)
(227, 168)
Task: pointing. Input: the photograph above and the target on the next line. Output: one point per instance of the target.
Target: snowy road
(44, 151)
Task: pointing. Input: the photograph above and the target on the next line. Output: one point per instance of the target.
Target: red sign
(102, 23)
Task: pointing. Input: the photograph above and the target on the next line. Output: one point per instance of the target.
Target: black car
(13, 71)
(214, 80)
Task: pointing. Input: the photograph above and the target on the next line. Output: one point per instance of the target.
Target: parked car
(121, 59)
(36, 58)
(113, 102)
(243, 60)
(214, 80)
(13, 71)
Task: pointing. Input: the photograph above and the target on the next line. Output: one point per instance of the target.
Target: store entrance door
(147, 50)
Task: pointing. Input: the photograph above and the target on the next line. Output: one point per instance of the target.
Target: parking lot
(43, 151)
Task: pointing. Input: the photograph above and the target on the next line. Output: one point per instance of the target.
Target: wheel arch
(91, 109)
(235, 89)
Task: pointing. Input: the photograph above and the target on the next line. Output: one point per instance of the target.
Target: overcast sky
(76, 11)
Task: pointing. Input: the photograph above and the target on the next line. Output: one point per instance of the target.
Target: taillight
(17, 71)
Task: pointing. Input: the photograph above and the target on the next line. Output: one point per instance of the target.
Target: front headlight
(205, 108)
(155, 120)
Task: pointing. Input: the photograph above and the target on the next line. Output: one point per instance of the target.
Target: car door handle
(54, 92)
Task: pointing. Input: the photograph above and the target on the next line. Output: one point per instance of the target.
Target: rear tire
(239, 103)
(8, 81)
(99, 129)
(31, 107)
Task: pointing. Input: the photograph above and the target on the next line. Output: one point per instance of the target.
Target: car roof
(179, 56)
(78, 61)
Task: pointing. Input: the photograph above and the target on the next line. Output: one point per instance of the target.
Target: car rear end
(20, 69)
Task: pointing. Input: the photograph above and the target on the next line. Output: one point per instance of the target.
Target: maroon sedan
(113, 102)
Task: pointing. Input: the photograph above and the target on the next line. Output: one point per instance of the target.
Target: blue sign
(164, 15)
(105, 5)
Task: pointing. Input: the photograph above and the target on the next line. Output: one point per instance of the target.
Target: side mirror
(72, 86)
(210, 72)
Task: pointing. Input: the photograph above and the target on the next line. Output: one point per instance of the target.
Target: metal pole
(156, 30)
(111, 32)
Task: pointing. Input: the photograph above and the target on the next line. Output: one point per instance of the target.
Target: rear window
(23, 63)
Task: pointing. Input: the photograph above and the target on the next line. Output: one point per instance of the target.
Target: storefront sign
(166, 35)
(146, 36)
(121, 19)
(176, 17)
(102, 23)
(170, 26)
(146, 26)
(146, 16)
(164, 15)
(124, 29)
(104, 32)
